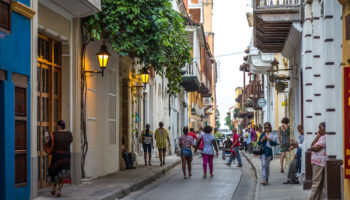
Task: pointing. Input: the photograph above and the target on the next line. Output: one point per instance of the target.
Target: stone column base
(332, 179)
(308, 171)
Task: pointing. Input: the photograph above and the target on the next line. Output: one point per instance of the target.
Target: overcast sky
(232, 35)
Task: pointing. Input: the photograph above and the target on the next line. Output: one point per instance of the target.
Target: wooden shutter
(5, 16)
(21, 126)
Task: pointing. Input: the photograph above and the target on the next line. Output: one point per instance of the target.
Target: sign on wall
(346, 116)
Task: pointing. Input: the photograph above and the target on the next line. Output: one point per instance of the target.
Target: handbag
(49, 142)
(258, 150)
(201, 144)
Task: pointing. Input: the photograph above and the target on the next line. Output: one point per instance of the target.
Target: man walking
(235, 146)
(217, 136)
(161, 136)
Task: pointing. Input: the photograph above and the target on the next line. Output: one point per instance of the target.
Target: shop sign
(262, 102)
(346, 121)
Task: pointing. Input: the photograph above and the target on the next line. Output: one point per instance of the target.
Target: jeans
(299, 152)
(236, 149)
(207, 159)
(232, 157)
(129, 161)
(265, 165)
(245, 146)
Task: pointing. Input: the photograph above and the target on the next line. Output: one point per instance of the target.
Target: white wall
(102, 112)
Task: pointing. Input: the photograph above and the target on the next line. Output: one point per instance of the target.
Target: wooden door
(48, 98)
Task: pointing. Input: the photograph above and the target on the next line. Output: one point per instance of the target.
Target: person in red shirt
(235, 148)
(191, 133)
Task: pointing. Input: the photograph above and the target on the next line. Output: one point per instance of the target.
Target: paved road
(174, 187)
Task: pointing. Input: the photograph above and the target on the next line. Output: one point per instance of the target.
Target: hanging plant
(149, 30)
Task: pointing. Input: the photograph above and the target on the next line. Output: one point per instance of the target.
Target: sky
(232, 35)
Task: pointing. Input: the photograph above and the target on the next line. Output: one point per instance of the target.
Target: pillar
(307, 89)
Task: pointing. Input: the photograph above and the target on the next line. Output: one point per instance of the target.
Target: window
(5, 16)
(21, 127)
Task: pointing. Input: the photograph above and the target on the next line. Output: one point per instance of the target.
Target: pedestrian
(266, 140)
(284, 139)
(208, 152)
(59, 170)
(227, 147)
(248, 141)
(185, 143)
(217, 136)
(191, 133)
(161, 136)
(128, 158)
(235, 149)
(318, 162)
(295, 165)
(147, 144)
(245, 138)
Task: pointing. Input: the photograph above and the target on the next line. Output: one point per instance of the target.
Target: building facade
(15, 98)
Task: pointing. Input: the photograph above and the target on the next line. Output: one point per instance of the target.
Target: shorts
(187, 152)
(162, 149)
(147, 147)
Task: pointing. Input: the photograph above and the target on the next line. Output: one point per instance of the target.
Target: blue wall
(15, 57)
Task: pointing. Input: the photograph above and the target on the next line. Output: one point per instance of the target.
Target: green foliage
(228, 122)
(149, 30)
(235, 113)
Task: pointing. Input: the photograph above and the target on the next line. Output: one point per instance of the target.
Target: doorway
(48, 98)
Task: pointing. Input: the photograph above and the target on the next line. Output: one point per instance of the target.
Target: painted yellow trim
(22, 9)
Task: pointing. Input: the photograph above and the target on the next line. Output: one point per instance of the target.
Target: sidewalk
(276, 190)
(114, 186)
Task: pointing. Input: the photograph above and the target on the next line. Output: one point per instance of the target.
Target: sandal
(58, 194)
(53, 192)
(185, 177)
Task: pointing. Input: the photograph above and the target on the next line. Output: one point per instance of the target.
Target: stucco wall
(102, 107)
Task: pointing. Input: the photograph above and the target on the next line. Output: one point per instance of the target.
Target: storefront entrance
(48, 98)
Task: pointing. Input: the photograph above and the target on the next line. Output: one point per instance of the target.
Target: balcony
(207, 101)
(190, 77)
(272, 22)
(79, 8)
(204, 90)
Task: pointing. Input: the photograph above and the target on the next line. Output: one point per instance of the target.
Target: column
(331, 43)
(307, 89)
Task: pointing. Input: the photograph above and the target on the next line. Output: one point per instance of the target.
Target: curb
(258, 178)
(122, 192)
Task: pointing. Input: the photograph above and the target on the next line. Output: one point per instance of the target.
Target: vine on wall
(149, 30)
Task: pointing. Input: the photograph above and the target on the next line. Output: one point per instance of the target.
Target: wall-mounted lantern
(103, 57)
(144, 74)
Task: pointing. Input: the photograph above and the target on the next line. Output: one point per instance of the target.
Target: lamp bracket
(93, 73)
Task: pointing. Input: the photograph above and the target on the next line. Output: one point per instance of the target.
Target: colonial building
(15, 98)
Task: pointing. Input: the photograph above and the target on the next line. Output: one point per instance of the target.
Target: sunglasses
(266, 127)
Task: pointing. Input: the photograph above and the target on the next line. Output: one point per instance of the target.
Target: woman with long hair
(208, 152)
(185, 143)
(266, 140)
(147, 144)
(59, 170)
(284, 139)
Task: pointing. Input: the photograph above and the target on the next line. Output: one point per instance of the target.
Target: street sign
(346, 121)
(262, 102)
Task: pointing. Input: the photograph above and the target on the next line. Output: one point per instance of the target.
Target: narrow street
(172, 186)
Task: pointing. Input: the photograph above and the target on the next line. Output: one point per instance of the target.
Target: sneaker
(239, 165)
(299, 174)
